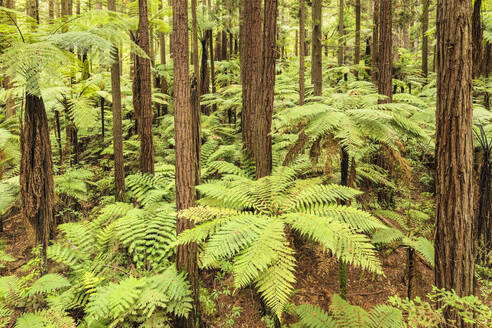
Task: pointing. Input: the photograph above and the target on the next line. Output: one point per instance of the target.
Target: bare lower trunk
(385, 51)
(454, 152)
(250, 60)
(317, 64)
(186, 257)
(302, 51)
(145, 97)
(36, 172)
(264, 114)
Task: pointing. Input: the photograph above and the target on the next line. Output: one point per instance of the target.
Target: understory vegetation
(350, 189)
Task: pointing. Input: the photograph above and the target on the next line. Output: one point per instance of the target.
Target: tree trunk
(250, 60)
(425, 39)
(302, 51)
(454, 256)
(196, 67)
(264, 114)
(102, 118)
(186, 257)
(385, 51)
(477, 39)
(341, 34)
(204, 72)
(317, 64)
(145, 90)
(357, 36)
(36, 173)
(375, 44)
(119, 168)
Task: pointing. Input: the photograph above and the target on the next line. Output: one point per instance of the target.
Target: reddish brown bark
(119, 168)
(454, 256)
(425, 39)
(265, 107)
(186, 257)
(375, 43)
(302, 51)
(385, 78)
(145, 92)
(250, 61)
(316, 61)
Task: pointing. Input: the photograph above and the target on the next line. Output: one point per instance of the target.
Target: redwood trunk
(186, 257)
(357, 36)
(385, 50)
(317, 64)
(250, 60)
(119, 168)
(477, 38)
(265, 109)
(302, 50)
(145, 90)
(375, 43)
(425, 39)
(454, 256)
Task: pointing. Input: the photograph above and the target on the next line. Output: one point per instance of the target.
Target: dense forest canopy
(245, 163)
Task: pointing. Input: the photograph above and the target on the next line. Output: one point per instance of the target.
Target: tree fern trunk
(36, 173)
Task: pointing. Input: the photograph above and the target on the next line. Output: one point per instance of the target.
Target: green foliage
(245, 220)
(344, 315)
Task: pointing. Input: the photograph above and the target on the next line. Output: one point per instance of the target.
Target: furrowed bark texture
(454, 256)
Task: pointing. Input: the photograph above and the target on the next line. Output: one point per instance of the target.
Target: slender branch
(17, 26)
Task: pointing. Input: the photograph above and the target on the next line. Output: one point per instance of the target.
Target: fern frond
(338, 237)
(313, 317)
(347, 315)
(47, 284)
(385, 316)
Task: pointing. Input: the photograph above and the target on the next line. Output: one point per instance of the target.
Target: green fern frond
(313, 317)
(322, 194)
(423, 246)
(385, 316)
(338, 237)
(47, 284)
(347, 315)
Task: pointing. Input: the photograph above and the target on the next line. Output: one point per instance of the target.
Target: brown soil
(317, 281)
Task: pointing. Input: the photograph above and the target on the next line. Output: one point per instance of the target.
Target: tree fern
(245, 220)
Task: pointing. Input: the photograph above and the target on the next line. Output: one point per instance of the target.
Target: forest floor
(317, 281)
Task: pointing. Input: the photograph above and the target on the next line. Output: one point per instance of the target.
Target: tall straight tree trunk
(264, 114)
(454, 256)
(186, 257)
(196, 67)
(250, 60)
(317, 64)
(341, 34)
(302, 51)
(425, 38)
(204, 71)
(296, 47)
(357, 35)
(119, 168)
(385, 78)
(36, 173)
(145, 89)
(32, 10)
(375, 43)
(477, 39)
